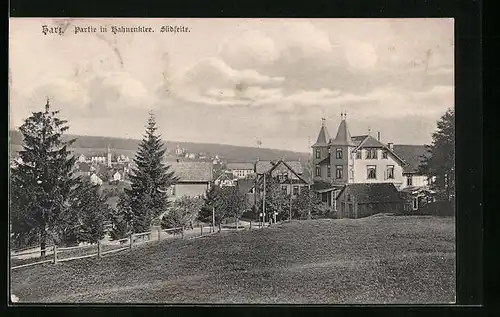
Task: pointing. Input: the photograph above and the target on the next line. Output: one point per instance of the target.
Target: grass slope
(371, 260)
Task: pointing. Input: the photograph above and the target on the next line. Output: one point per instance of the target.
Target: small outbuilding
(362, 200)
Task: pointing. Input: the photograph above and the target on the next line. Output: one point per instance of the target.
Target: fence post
(159, 234)
(99, 248)
(182, 232)
(131, 240)
(201, 230)
(55, 254)
(250, 224)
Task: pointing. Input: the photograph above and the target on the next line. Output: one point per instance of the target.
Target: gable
(413, 155)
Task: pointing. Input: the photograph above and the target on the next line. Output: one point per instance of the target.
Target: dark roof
(357, 139)
(317, 186)
(412, 154)
(370, 141)
(343, 136)
(84, 167)
(193, 171)
(374, 193)
(326, 160)
(323, 137)
(245, 185)
(265, 166)
(240, 166)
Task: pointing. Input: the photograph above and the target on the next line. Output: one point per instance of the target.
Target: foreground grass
(371, 260)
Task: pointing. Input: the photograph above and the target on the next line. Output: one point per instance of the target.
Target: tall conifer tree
(42, 182)
(150, 180)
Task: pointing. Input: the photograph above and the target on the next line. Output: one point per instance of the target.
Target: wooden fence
(55, 254)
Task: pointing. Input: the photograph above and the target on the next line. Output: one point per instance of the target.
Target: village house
(415, 188)
(96, 180)
(345, 160)
(241, 170)
(194, 179)
(225, 179)
(83, 169)
(288, 175)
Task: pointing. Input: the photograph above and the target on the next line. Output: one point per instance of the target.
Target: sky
(237, 81)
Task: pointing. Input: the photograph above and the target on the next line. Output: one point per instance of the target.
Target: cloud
(249, 49)
(361, 55)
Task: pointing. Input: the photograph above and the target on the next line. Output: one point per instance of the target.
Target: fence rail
(53, 254)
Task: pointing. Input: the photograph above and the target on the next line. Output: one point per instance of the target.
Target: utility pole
(291, 192)
(213, 218)
(264, 201)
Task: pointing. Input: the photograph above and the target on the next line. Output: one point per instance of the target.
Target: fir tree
(121, 218)
(92, 211)
(42, 183)
(439, 162)
(150, 180)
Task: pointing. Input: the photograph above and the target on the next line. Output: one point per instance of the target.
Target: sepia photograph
(232, 161)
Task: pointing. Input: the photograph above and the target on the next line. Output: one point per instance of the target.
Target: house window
(372, 171)
(338, 154)
(390, 171)
(339, 169)
(409, 181)
(371, 154)
(295, 190)
(328, 171)
(284, 189)
(318, 171)
(348, 197)
(172, 190)
(358, 154)
(335, 194)
(318, 153)
(384, 154)
(415, 203)
(351, 172)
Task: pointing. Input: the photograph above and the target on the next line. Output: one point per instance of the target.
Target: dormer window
(318, 153)
(371, 154)
(358, 154)
(338, 154)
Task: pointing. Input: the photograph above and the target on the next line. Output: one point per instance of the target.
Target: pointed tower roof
(323, 136)
(343, 135)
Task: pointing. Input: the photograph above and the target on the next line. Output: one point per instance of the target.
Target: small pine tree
(150, 180)
(93, 212)
(121, 218)
(41, 185)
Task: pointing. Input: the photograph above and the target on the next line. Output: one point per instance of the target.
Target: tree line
(49, 204)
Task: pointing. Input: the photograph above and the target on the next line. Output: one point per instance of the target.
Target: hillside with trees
(97, 144)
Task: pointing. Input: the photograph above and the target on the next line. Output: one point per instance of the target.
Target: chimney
(378, 136)
(391, 146)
